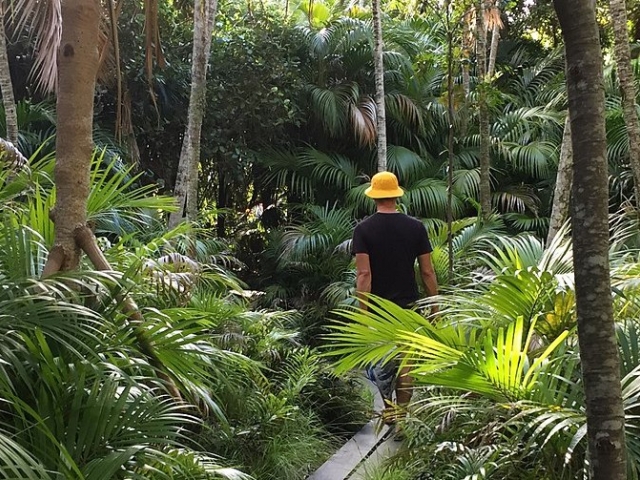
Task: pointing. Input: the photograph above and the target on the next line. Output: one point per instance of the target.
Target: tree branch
(54, 261)
(10, 156)
(87, 242)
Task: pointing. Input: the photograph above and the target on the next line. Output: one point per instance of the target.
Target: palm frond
(407, 164)
(428, 198)
(328, 228)
(44, 19)
(334, 171)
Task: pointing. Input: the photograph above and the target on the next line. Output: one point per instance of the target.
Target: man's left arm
(429, 278)
(363, 277)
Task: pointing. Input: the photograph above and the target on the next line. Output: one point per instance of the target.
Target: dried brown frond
(407, 109)
(363, 121)
(107, 68)
(44, 19)
(493, 18)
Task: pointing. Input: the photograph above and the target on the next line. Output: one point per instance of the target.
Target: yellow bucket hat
(384, 185)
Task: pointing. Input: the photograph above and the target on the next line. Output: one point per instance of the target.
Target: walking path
(363, 452)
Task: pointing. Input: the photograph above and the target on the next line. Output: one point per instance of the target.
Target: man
(387, 245)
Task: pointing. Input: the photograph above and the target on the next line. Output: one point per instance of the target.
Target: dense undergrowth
(215, 379)
(203, 384)
(224, 373)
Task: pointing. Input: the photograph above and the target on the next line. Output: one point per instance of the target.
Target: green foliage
(290, 126)
(499, 364)
(78, 396)
(85, 386)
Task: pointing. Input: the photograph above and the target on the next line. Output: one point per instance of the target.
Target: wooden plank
(350, 455)
(347, 458)
(385, 450)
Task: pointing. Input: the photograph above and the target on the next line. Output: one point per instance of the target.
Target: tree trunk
(627, 86)
(186, 189)
(450, 139)
(590, 231)
(467, 49)
(564, 180)
(77, 70)
(6, 85)
(493, 51)
(466, 88)
(221, 204)
(114, 13)
(483, 113)
(379, 80)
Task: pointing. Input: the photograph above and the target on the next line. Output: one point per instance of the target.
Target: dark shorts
(384, 374)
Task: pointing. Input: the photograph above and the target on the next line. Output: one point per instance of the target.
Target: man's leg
(384, 376)
(404, 391)
(404, 388)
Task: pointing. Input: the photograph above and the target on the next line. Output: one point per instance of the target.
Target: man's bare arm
(363, 277)
(429, 279)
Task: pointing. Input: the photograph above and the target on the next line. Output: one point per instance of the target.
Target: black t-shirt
(393, 242)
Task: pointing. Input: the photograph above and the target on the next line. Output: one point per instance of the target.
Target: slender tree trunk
(564, 180)
(450, 140)
(77, 71)
(467, 49)
(186, 189)
(627, 86)
(496, 25)
(115, 39)
(483, 113)
(379, 80)
(128, 133)
(6, 85)
(466, 88)
(221, 204)
(596, 334)
(493, 51)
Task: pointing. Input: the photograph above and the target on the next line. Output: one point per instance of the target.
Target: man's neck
(386, 209)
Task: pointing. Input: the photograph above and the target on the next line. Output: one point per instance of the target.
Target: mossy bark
(6, 86)
(626, 79)
(483, 112)
(596, 333)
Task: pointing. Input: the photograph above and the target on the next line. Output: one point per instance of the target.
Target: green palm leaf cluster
(81, 399)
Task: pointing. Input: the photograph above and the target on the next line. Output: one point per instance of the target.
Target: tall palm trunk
(186, 189)
(483, 112)
(627, 86)
(450, 139)
(77, 71)
(596, 334)
(467, 49)
(496, 24)
(379, 80)
(6, 85)
(493, 51)
(564, 180)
